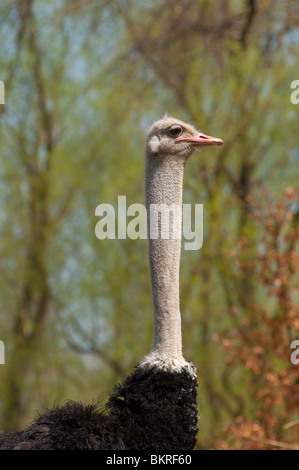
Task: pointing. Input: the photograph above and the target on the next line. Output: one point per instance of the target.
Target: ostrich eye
(175, 131)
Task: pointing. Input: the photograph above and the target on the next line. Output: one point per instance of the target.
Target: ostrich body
(155, 408)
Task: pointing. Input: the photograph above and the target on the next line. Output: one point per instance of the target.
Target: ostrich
(155, 408)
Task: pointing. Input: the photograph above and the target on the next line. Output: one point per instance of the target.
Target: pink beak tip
(202, 139)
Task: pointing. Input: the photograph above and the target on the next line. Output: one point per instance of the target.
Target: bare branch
(270, 442)
(248, 22)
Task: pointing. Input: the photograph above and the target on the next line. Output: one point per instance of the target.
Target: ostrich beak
(202, 139)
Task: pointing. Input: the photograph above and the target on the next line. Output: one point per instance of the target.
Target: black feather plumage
(152, 409)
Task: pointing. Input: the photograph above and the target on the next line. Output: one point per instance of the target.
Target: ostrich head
(170, 136)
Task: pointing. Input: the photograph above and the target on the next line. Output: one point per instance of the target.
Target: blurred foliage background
(83, 81)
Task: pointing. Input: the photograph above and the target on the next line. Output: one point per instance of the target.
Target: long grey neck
(164, 185)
